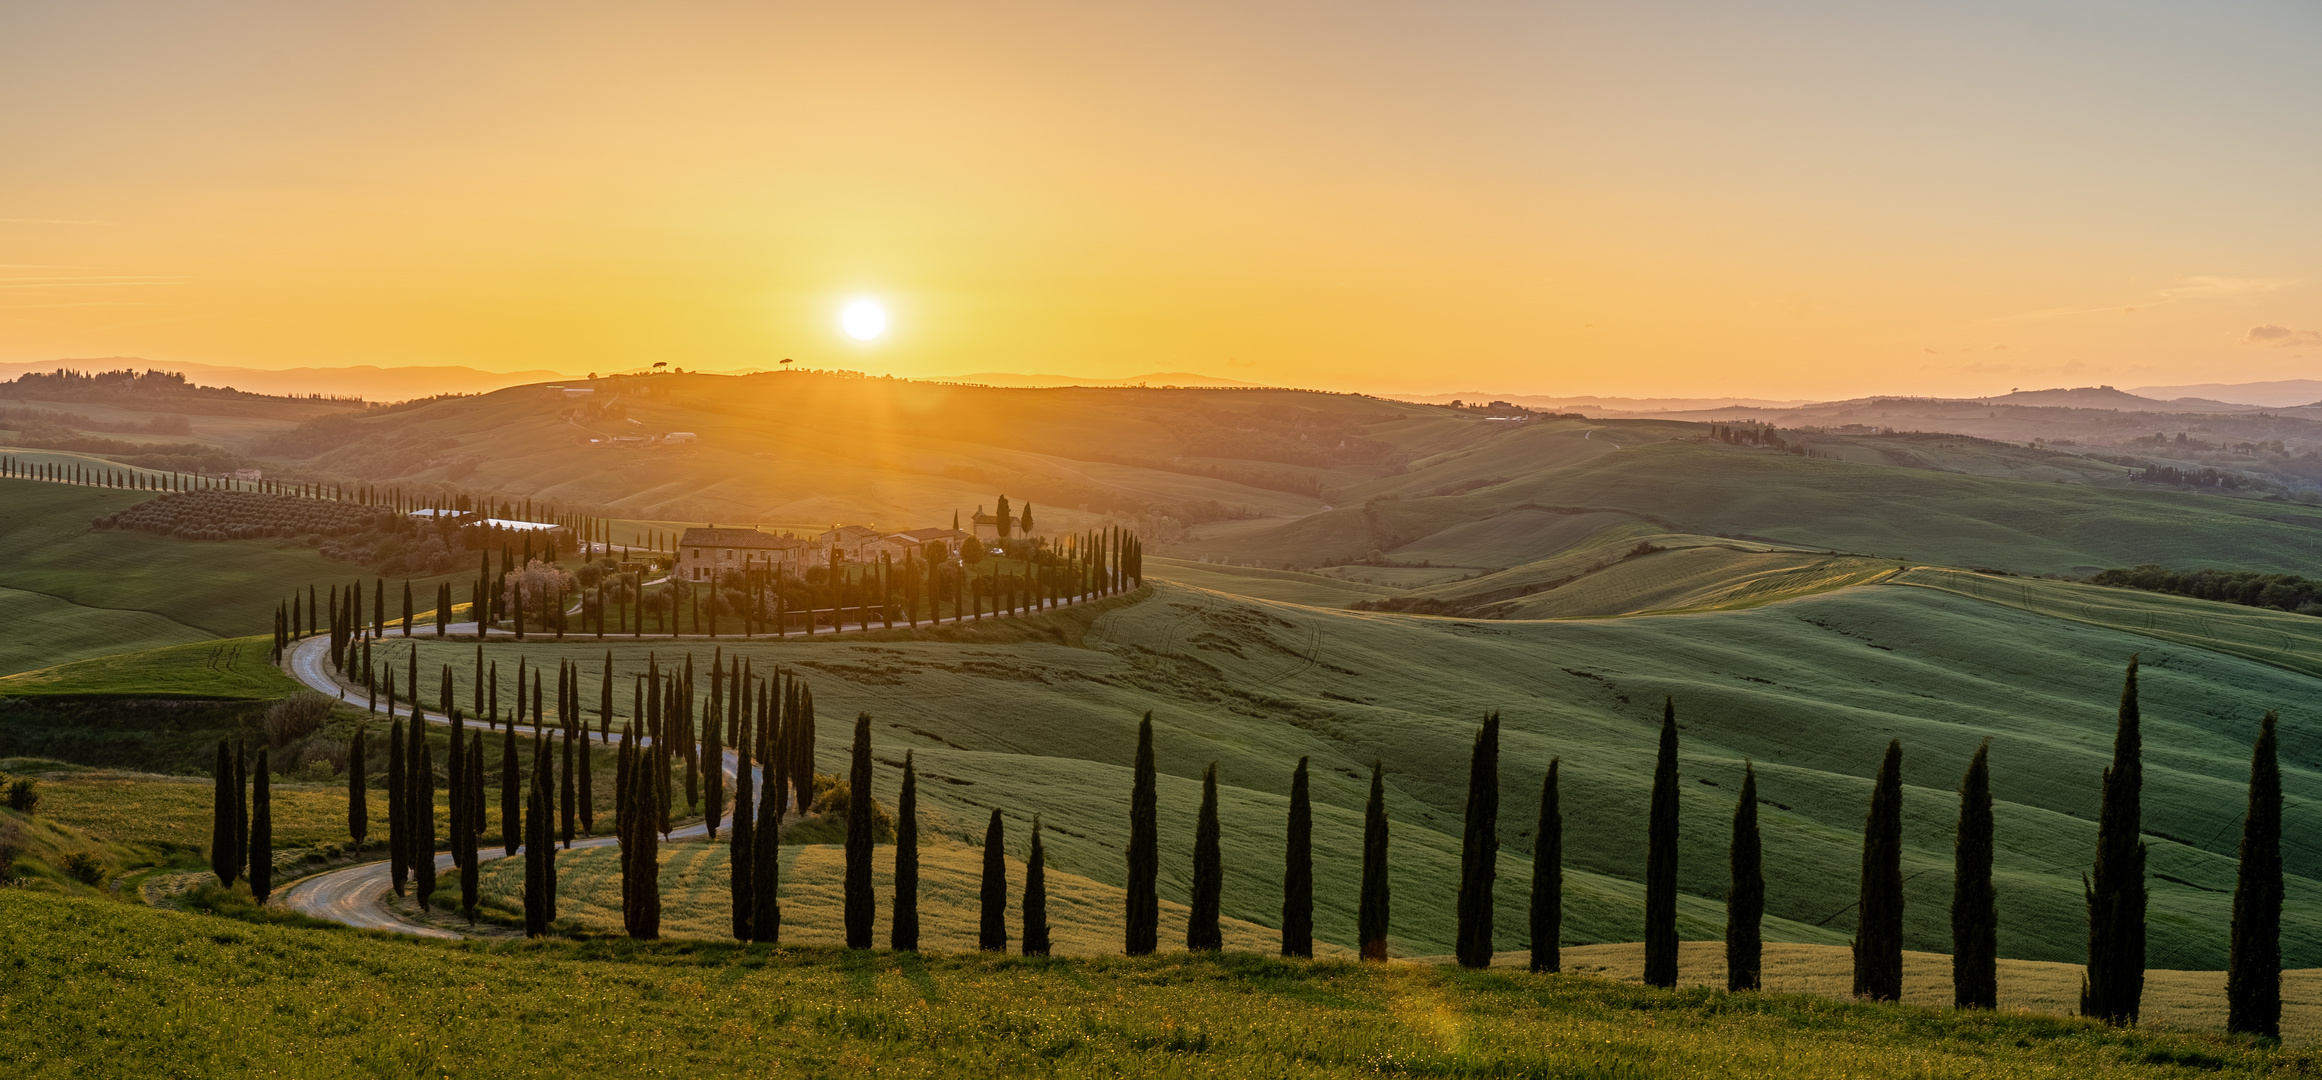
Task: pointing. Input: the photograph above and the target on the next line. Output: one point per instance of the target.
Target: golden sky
(1794, 199)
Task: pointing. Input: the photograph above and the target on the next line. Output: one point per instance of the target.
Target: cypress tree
(1661, 860)
(471, 827)
(1878, 928)
(1144, 900)
(1297, 870)
(1479, 850)
(741, 845)
(714, 758)
(536, 847)
(588, 787)
(1202, 933)
(766, 863)
(422, 812)
(992, 935)
(241, 805)
(1036, 896)
(1371, 915)
(859, 824)
(358, 794)
(2115, 985)
(2253, 977)
(905, 936)
(223, 862)
(398, 797)
(1974, 912)
(1548, 877)
(1745, 895)
(511, 798)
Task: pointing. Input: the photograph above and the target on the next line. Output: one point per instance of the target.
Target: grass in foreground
(106, 987)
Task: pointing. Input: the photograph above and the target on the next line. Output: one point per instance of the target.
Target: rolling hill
(1809, 689)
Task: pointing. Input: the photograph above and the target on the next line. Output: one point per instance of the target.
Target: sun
(863, 319)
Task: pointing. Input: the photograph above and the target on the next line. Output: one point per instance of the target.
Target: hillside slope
(1810, 689)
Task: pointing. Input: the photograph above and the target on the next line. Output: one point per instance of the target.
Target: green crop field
(697, 898)
(1810, 689)
(1558, 495)
(97, 986)
(150, 590)
(215, 668)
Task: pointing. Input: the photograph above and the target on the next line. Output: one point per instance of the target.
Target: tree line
(771, 721)
(2249, 588)
(526, 594)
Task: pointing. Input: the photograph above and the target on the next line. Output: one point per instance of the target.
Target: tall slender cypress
(713, 753)
(1036, 895)
(766, 864)
(1371, 915)
(1745, 894)
(992, 934)
(905, 936)
(422, 811)
(1548, 876)
(398, 797)
(223, 863)
(261, 830)
(1144, 901)
(2253, 976)
(1298, 870)
(1974, 910)
(1479, 850)
(860, 821)
(358, 794)
(241, 805)
(511, 795)
(1661, 860)
(1202, 932)
(537, 834)
(471, 826)
(1878, 927)
(741, 844)
(2115, 986)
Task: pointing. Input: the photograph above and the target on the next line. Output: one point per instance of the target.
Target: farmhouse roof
(734, 538)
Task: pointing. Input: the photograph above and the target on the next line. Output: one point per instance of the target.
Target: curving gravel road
(355, 895)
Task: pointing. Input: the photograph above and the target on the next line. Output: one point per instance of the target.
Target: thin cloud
(2192, 288)
(2281, 337)
(51, 221)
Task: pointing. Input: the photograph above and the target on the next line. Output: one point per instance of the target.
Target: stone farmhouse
(703, 554)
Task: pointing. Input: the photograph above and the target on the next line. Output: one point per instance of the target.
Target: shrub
(296, 717)
(23, 794)
(84, 867)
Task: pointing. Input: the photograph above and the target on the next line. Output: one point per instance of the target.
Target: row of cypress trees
(776, 714)
(242, 820)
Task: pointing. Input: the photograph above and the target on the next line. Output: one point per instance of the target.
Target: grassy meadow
(137, 590)
(1810, 690)
(107, 987)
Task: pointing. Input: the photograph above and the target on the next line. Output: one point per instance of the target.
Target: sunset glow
(1701, 199)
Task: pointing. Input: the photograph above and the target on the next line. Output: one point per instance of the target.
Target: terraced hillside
(1810, 690)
